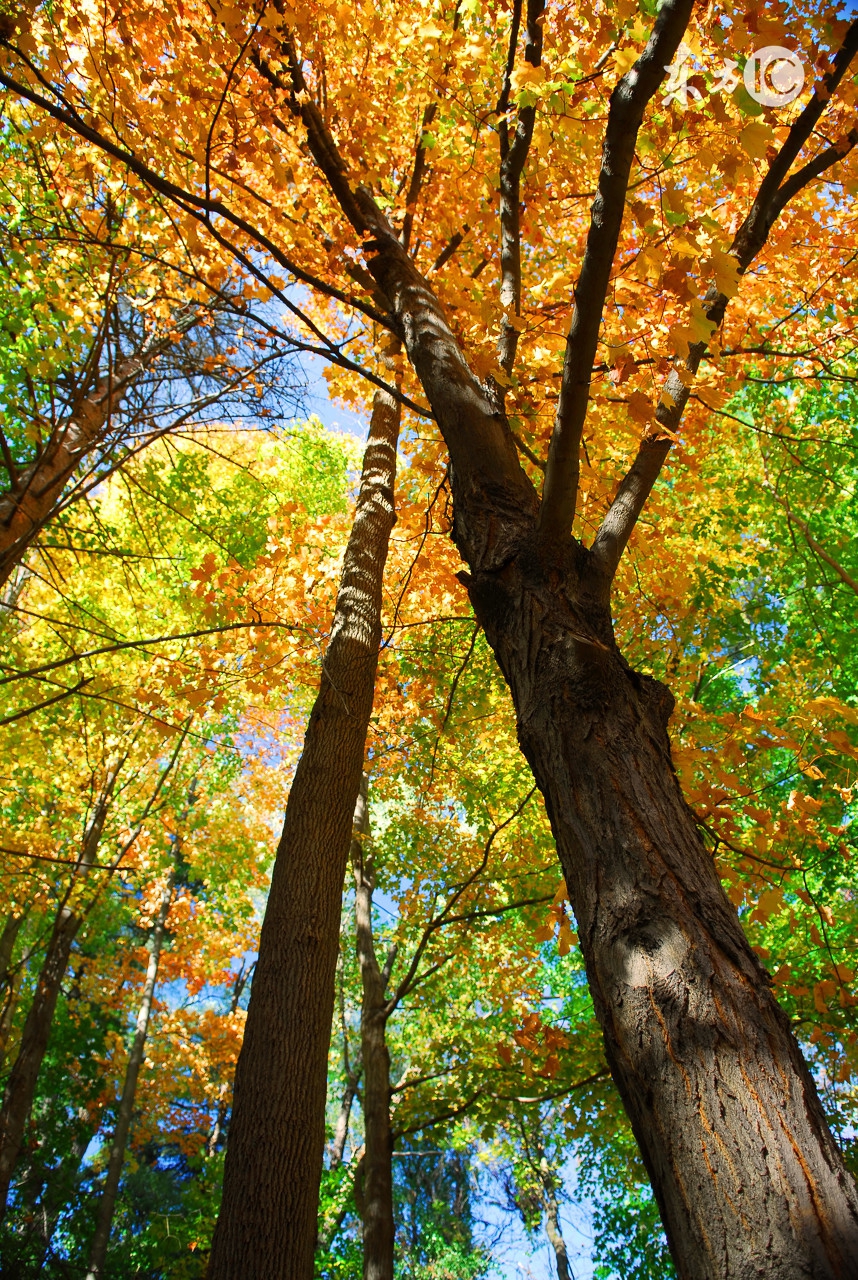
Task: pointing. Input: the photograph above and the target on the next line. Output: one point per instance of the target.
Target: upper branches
(513, 151)
(774, 193)
(628, 103)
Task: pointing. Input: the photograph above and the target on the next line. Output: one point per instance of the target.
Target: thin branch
(438, 922)
(49, 702)
(816, 547)
(137, 644)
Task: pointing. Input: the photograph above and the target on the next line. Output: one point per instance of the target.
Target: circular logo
(774, 76)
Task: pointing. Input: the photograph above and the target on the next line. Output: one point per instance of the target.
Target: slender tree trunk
(8, 985)
(107, 1203)
(552, 1219)
(8, 938)
(341, 1128)
(21, 1085)
(241, 980)
(267, 1223)
(377, 1214)
(747, 1176)
(35, 492)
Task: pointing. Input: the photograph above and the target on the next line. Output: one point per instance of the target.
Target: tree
(197, 540)
(704, 1059)
(104, 347)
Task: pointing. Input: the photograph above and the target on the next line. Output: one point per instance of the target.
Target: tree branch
(628, 103)
(774, 193)
(513, 157)
(819, 550)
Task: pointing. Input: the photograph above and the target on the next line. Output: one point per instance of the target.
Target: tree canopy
(554, 680)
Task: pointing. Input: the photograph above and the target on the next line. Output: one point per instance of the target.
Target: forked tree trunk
(377, 1191)
(119, 1141)
(746, 1173)
(21, 1085)
(267, 1223)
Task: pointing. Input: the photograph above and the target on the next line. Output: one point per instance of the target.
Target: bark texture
(21, 1085)
(377, 1191)
(748, 1178)
(267, 1224)
(107, 1203)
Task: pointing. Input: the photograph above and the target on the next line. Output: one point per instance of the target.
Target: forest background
(174, 524)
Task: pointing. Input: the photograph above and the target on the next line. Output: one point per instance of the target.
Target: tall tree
(285, 1050)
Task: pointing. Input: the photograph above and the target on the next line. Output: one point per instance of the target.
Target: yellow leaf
(624, 59)
(755, 139)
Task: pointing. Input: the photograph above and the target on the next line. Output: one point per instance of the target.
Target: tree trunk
(8, 984)
(241, 980)
(21, 1085)
(107, 1203)
(267, 1223)
(341, 1129)
(377, 1212)
(748, 1178)
(552, 1220)
(8, 938)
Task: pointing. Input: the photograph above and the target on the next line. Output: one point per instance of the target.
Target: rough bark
(748, 1178)
(377, 1213)
(267, 1224)
(107, 1203)
(21, 1085)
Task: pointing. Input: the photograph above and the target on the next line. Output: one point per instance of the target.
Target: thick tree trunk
(107, 1203)
(267, 1223)
(377, 1211)
(21, 1085)
(748, 1178)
